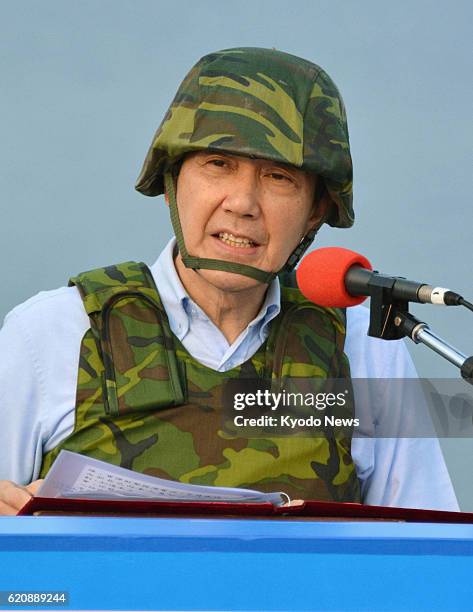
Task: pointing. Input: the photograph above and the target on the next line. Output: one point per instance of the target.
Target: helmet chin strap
(197, 263)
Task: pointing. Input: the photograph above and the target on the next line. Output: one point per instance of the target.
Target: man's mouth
(236, 241)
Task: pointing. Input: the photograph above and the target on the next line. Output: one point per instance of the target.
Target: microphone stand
(390, 319)
(419, 332)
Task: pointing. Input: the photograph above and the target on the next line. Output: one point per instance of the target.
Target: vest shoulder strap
(291, 294)
(133, 336)
(99, 285)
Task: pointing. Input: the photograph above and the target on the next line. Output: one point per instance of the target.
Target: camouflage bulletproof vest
(144, 403)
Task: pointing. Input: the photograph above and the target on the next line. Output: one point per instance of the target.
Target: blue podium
(237, 564)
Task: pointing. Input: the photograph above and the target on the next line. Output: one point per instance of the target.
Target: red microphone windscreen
(321, 276)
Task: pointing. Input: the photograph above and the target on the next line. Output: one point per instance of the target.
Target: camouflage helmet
(259, 103)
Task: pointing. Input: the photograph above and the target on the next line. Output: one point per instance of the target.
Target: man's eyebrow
(271, 162)
(282, 165)
(287, 167)
(218, 152)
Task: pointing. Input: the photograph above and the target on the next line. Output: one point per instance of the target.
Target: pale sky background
(85, 84)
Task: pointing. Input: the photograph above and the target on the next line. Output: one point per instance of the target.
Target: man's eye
(219, 163)
(277, 176)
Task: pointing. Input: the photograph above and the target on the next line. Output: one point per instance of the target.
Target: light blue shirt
(39, 358)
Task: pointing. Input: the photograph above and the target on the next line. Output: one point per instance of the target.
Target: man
(128, 364)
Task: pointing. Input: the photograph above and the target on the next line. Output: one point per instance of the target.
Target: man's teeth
(235, 241)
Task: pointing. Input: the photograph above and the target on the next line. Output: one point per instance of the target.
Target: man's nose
(243, 197)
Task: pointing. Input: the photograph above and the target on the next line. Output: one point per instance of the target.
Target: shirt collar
(180, 307)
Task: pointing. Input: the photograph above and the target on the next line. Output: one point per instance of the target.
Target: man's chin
(228, 281)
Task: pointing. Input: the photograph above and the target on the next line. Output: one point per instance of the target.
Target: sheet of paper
(74, 475)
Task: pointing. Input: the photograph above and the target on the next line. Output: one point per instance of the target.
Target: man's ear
(320, 211)
(166, 198)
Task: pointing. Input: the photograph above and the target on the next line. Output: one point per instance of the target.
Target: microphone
(338, 278)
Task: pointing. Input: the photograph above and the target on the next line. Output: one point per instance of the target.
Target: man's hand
(13, 496)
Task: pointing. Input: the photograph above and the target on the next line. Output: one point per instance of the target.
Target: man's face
(249, 211)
